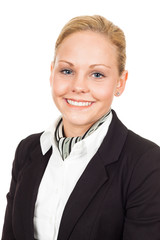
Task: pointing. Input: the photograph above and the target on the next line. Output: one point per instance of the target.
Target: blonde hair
(101, 25)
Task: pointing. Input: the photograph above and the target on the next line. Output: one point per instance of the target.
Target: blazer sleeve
(7, 233)
(142, 219)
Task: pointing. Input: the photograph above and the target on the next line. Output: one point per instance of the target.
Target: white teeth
(81, 104)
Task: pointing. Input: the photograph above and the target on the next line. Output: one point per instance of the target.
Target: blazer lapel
(94, 176)
(113, 143)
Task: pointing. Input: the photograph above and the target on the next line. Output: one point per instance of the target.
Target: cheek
(59, 87)
(104, 91)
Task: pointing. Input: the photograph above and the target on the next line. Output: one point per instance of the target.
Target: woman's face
(85, 78)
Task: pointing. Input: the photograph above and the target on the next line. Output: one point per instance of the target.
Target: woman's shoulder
(26, 147)
(30, 141)
(140, 147)
(140, 142)
(134, 144)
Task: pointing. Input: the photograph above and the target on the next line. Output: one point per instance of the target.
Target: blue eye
(66, 71)
(98, 75)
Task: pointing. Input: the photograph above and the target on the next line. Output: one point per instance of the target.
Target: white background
(28, 30)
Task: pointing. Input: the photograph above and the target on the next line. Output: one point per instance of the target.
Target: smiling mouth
(79, 103)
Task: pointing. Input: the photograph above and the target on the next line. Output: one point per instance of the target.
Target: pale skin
(84, 80)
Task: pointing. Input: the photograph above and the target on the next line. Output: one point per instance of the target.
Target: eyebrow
(100, 64)
(71, 64)
(91, 66)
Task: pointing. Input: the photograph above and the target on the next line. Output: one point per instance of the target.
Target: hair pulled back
(101, 25)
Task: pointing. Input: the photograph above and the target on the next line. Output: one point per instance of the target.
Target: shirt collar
(47, 138)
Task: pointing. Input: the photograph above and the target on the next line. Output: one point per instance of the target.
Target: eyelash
(64, 71)
(99, 74)
(69, 72)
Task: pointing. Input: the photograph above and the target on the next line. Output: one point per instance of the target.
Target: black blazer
(117, 197)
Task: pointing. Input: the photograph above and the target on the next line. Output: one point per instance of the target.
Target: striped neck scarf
(65, 144)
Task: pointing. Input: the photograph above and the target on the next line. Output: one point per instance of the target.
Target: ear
(51, 70)
(121, 83)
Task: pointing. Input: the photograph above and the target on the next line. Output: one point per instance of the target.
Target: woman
(87, 177)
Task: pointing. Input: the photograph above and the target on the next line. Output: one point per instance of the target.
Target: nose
(79, 84)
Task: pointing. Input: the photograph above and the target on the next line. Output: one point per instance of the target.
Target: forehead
(87, 45)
